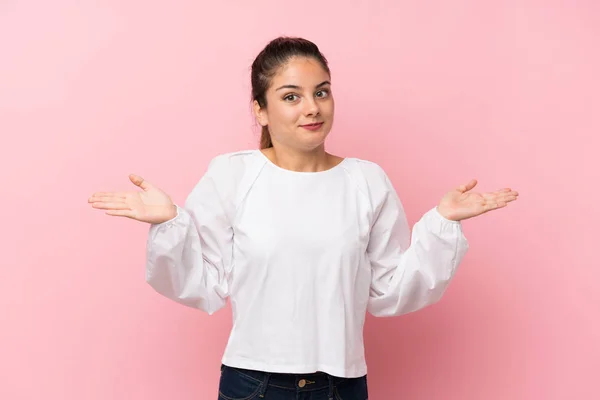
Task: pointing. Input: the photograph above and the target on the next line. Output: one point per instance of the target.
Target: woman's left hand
(458, 204)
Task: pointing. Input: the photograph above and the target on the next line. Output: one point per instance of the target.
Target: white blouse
(302, 256)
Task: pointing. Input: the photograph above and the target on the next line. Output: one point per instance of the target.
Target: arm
(189, 258)
(410, 273)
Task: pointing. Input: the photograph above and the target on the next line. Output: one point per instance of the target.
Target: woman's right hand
(150, 205)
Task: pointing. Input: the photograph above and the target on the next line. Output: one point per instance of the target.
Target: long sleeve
(409, 273)
(189, 258)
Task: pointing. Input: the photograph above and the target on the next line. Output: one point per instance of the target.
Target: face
(300, 105)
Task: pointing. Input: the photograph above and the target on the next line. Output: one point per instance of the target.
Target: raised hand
(150, 205)
(458, 204)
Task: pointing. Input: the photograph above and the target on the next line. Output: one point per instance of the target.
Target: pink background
(436, 92)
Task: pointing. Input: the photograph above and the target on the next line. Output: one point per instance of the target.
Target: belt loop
(264, 385)
(330, 387)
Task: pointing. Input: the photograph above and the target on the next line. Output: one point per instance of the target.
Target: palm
(150, 205)
(459, 204)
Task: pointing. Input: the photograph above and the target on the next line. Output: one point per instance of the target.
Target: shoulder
(368, 174)
(234, 163)
(227, 176)
(232, 174)
(372, 180)
(370, 169)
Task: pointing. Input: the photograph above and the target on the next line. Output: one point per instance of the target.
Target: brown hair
(275, 55)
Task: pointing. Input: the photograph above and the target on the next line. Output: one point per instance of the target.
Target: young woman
(301, 241)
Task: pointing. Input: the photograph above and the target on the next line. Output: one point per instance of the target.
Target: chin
(304, 140)
(313, 144)
(314, 136)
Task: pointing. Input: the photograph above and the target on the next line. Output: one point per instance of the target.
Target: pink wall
(437, 92)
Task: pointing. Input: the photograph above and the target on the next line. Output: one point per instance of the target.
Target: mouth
(312, 127)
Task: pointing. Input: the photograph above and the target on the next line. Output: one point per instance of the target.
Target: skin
(300, 93)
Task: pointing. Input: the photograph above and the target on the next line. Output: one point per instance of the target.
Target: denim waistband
(299, 382)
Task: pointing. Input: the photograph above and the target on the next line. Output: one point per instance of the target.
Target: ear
(260, 114)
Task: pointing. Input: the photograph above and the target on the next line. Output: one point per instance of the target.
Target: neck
(300, 161)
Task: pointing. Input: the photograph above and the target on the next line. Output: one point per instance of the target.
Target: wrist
(448, 214)
(172, 212)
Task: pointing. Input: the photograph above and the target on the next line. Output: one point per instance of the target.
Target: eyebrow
(298, 87)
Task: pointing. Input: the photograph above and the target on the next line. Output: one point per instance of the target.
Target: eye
(290, 97)
(322, 93)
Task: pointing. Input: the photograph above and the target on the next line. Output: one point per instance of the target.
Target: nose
(311, 108)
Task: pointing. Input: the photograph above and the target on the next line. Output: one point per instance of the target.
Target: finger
(507, 197)
(499, 194)
(465, 188)
(120, 213)
(140, 182)
(489, 206)
(109, 194)
(111, 206)
(106, 199)
(506, 191)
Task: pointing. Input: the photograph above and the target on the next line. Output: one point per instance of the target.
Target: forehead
(300, 71)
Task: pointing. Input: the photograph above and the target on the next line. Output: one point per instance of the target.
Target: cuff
(180, 212)
(437, 214)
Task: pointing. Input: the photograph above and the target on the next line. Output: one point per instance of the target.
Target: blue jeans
(243, 384)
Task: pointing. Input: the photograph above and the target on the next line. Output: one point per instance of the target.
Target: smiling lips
(312, 127)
